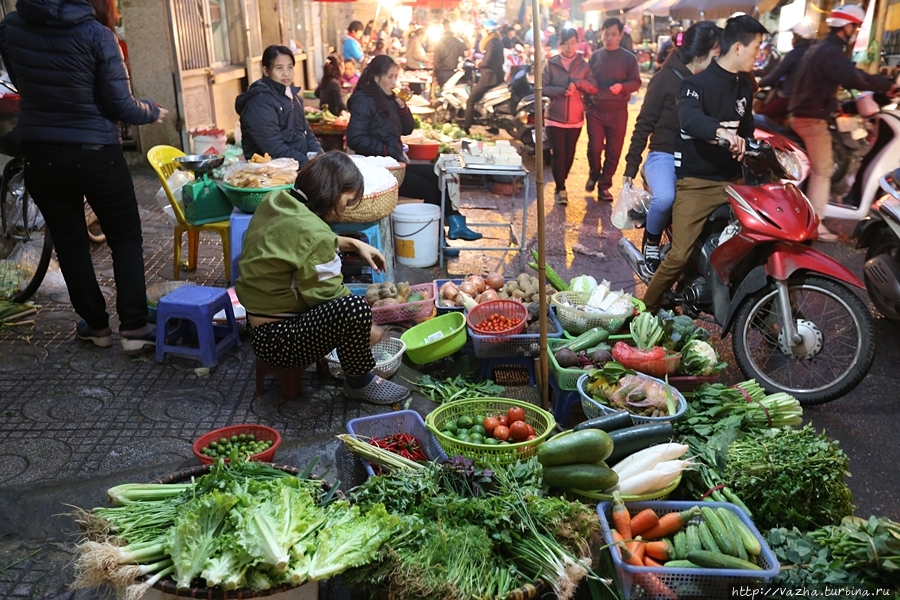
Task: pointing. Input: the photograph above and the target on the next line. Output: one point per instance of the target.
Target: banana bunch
(327, 115)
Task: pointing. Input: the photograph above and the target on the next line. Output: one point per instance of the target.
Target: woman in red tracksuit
(566, 77)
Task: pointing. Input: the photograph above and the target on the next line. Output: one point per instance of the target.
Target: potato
(503, 295)
(511, 286)
(518, 294)
(385, 302)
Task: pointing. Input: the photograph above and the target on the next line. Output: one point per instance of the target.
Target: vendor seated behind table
(271, 110)
(329, 91)
(291, 285)
(378, 118)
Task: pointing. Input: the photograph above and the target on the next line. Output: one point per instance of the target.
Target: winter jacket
(70, 73)
(273, 123)
(707, 101)
(448, 51)
(786, 73)
(351, 48)
(823, 69)
(658, 118)
(371, 133)
(415, 53)
(567, 108)
(332, 95)
(289, 261)
(492, 61)
(609, 68)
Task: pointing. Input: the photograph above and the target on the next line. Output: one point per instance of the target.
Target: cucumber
(590, 338)
(680, 544)
(587, 445)
(748, 539)
(581, 476)
(692, 532)
(707, 539)
(680, 564)
(732, 531)
(723, 539)
(610, 422)
(714, 560)
(631, 439)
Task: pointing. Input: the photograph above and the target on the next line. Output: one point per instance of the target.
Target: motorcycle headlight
(789, 164)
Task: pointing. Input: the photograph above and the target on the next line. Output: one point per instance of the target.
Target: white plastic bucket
(209, 144)
(416, 229)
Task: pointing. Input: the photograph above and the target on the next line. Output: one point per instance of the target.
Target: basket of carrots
(663, 550)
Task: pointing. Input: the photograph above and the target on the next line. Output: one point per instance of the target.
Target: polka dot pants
(343, 323)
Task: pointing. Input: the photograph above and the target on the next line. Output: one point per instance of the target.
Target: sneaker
(378, 391)
(605, 195)
(590, 185)
(651, 257)
(137, 340)
(562, 198)
(100, 337)
(826, 235)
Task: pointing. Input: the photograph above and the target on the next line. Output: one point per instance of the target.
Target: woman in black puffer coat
(66, 62)
(271, 110)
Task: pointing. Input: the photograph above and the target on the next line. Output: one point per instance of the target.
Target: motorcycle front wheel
(838, 344)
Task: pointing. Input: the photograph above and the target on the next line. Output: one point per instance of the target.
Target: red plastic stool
(291, 380)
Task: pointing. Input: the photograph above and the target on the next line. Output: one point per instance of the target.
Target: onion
(489, 295)
(478, 282)
(495, 281)
(468, 287)
(449, 291)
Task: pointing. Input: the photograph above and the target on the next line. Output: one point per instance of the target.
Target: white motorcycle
(879, 233)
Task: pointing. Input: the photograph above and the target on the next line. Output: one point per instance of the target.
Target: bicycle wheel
(26, 246)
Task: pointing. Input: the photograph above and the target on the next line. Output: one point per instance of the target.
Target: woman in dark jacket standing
(65, 60)
(378, 118)
(271, 110)
(658, 120)
(329, 91)
(566, 77)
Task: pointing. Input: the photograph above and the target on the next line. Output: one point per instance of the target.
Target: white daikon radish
(647, 482)
(646, 459)
(673, 466)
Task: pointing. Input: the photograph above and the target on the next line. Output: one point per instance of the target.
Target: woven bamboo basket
(399, 172)
(372, 207)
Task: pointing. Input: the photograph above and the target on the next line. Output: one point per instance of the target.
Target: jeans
(659, 171)
(562, 141)
(817, 140)
(60, 177)
(606, 132)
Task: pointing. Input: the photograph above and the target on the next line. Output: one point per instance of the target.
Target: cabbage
(583, 283)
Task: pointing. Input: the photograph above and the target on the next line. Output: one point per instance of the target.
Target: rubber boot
(451, 252)
(459, 231)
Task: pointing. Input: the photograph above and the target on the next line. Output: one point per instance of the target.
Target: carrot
(644, 521)
(649, 562)
(662, 550)
(618, 541)
(655, 587)
(621, 517)
(636, 547)
(670, 523)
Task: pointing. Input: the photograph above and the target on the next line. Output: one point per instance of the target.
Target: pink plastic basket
(422, 309)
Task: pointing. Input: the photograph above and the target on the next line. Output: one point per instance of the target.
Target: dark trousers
(562, 141)
(422, 182)
(442, 76)
(606, 132)
(488, 80)
(60, 177)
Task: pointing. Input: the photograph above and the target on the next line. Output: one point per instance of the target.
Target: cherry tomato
(501, 433)
(514, 414)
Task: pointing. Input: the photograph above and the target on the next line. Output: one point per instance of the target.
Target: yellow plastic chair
(162, 159)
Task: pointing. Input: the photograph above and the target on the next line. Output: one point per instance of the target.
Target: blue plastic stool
(489, 364)
(240, 221)
(379, 236)
(195, 305)
(563, 402)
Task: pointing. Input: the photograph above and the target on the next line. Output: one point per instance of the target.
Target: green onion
(129, 493)
(382, 458)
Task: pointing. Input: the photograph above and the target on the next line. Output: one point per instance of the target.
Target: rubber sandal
(132, 341)
(378, 391)
(100, 337)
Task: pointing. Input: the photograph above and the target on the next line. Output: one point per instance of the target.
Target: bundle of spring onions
(242, 526)
(378, 456)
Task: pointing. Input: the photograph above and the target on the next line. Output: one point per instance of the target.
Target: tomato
(519, 431)
(514, 414)
(530, 437)
(501, 433)
(503, 420)
(490, 424)
(531, 430)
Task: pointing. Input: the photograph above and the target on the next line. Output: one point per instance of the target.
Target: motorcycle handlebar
(748, 152)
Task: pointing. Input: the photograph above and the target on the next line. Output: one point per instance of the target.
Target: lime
(479, 419)
(464, 422)
(451, 427)
(476, 438)
(463, 437)
(477, 429)
(491, 441)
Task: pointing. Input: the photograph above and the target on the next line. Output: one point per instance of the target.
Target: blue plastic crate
(401, 421)
(524, 345)
(709, 584)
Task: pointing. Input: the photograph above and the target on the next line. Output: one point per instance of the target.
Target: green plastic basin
(436, 338)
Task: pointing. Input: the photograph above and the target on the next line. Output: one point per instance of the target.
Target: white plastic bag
(176, 181)
(631, 198)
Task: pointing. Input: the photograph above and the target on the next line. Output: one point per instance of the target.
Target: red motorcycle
(797, 327)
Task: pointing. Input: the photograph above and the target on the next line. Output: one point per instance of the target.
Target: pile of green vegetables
(468, 532)
(455, 388)
(242, 526)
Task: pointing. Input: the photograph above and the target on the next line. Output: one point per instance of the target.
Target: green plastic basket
(506, 454)
(248, 199)
(662, 494)
(436, 338)
(567, 379)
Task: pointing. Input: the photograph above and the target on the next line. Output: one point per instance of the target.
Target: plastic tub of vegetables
(648, 399)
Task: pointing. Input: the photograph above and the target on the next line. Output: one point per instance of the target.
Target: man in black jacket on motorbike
(491, 68)
(824, 68)
(714, 104)
(447, 53)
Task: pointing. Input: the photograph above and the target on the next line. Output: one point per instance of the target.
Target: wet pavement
(76, 419)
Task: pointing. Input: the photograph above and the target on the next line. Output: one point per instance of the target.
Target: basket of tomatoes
(494, 430)
(498, 318)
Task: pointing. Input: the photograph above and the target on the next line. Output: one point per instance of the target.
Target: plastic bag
(268, 174)
(176, 181)
(631, 199)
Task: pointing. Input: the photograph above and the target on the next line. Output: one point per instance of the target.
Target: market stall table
(453, 171)
(330, 135)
